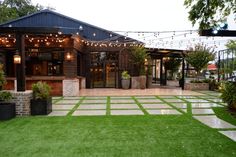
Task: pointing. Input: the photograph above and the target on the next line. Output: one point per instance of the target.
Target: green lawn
(167, 136)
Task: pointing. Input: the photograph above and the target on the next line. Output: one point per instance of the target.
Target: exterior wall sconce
(69, 56)
(17, 58)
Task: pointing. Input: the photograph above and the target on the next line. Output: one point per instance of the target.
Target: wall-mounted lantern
(17, 58)
(69, 56)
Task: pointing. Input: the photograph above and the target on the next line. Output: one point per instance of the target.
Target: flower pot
(41, 106)
(125, 83)
(7, 110)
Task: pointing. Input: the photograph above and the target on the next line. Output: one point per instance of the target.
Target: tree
(231, 45)
(199, 56)
(11, 9)
(210, 13)
(138, 56)
(173, 65)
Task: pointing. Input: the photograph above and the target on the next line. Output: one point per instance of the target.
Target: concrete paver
(126, 112)
(214, 122)
(230, 134)
(89, 113)
(164, 112)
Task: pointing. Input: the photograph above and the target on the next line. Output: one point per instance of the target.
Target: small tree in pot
(138, 56)
(41, 104)
(125, 80)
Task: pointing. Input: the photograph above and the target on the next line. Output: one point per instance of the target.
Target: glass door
(110, 75)
(103, 70)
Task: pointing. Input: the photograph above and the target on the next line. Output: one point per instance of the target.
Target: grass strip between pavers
(173, 106)
(139, 105)
(75, 107)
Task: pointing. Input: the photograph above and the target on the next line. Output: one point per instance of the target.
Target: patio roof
(47, 19)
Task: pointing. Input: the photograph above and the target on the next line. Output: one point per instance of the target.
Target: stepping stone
(214, 122)
(102, 106)
(155, 106)
(124, 106)
(216, 100)
(180, 105)
(95, 101)
(123, 97)
(95, 97)
(126, 112)
(187, 97)
(164, 112)
(202, 111)
(58, 113)
(173, 100)
(67, 102)
(145, 97)
(71, 98)
(149, 100)
(207, 96)
(122, 101)
(197, 100)
(167, 97)
(62, 107)
(230, 134)
(89, 112)
(205, 105)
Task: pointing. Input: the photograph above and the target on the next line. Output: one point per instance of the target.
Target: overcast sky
(140, 15)
(125, 15)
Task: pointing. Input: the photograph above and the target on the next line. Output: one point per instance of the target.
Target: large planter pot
(40, 106)
(125, 83)
(7, 110)
(142, 80)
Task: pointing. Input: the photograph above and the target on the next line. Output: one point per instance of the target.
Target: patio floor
(135, 92)
(106, 102)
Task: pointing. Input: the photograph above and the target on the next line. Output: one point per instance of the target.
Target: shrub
(5, 96)
(228, 94)
(41, 90)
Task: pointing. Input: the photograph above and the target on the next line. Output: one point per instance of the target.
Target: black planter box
(41, 107)
(7, 110)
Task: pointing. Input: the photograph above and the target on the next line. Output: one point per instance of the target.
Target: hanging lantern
(17, 58)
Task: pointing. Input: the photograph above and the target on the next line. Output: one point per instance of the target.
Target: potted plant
(41, 104)
(7, 108)
(138, 55)
(125, 80)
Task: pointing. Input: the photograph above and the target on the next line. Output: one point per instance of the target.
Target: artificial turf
(120, 136)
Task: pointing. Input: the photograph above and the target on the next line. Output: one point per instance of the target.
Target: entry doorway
(104, 69)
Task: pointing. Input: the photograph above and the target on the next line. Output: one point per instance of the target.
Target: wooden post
(183, 74)
(161, 71)
(20, 68)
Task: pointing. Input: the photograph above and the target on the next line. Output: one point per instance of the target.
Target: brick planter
(196, 86)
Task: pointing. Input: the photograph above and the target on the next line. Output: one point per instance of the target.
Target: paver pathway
(197, 105)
